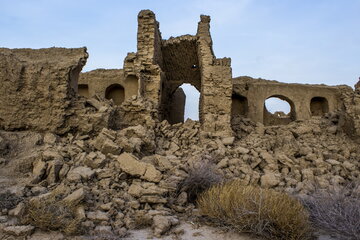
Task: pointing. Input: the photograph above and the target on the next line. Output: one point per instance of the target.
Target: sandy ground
(195, 232)
(191, 231)
(184, 231)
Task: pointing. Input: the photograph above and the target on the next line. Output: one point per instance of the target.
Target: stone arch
(115, 92)
(83, 90)
(319, 106)
(131, 86)
(279, 118)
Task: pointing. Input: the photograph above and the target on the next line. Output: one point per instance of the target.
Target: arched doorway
(184, 104)
(278, 110)
(319, 106)
(115, 92)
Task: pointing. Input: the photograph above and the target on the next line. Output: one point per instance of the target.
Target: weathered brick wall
(38, 86)
(216, 85)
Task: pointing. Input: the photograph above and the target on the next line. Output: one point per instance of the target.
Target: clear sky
(305, 41)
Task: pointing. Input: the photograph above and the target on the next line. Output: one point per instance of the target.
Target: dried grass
(51, 214)
(336, 211)
(9, 200)
(263, 212)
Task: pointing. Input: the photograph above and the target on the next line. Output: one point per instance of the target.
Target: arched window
(116, 93)
(319, 106)
(279, 110)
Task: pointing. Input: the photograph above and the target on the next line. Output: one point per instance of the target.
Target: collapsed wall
(122, 168)
(38, 86)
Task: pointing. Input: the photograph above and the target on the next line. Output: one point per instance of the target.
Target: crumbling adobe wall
(100, 82)
(38, 86)
(163, 65)
(177, 109)
(180, 65)
(146, 63)
(216, 84)
(350, 120)
(299, 96)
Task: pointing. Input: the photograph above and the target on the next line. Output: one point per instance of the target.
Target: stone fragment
(131, 165)
(152, 174)
(49, 155)
(162, 224)
(223, 163)
(53, 171)
(332, 162)
(135, 190)
(18, 211)
(152, 199)
(104, 142)
(95, 160)
(24, 230)
(97, 216)
(109, 146)
(50, 138)
(242, 150)
(39, 170)
(269, 180)
(228, 141)
(75, 197)
(80, 173)
(162, 163)
(104, 231)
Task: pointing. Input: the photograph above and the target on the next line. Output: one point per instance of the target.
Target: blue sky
(307, 41)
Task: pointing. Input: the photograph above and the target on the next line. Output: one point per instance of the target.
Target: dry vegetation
(263, 212)
(200, 178)
(9, 200)
(52, 214)
(336, 212)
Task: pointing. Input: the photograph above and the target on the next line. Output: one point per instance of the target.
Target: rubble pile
(128, 178)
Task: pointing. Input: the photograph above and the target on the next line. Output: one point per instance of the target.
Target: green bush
(251, 209)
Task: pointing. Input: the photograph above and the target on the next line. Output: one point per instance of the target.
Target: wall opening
(131, 85)
(83, 90)
(115, 92)
(184, 104)
(239, 106)
(319, 106)
(239, 110)
(181, 69)
(278, 110)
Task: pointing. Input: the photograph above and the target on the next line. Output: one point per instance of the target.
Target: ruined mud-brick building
(39, 87)
(160, 66)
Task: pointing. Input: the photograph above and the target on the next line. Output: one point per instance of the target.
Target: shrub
(200, 177)
(251, 209)
(50, 214)
(9, 200)
(336, 211)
